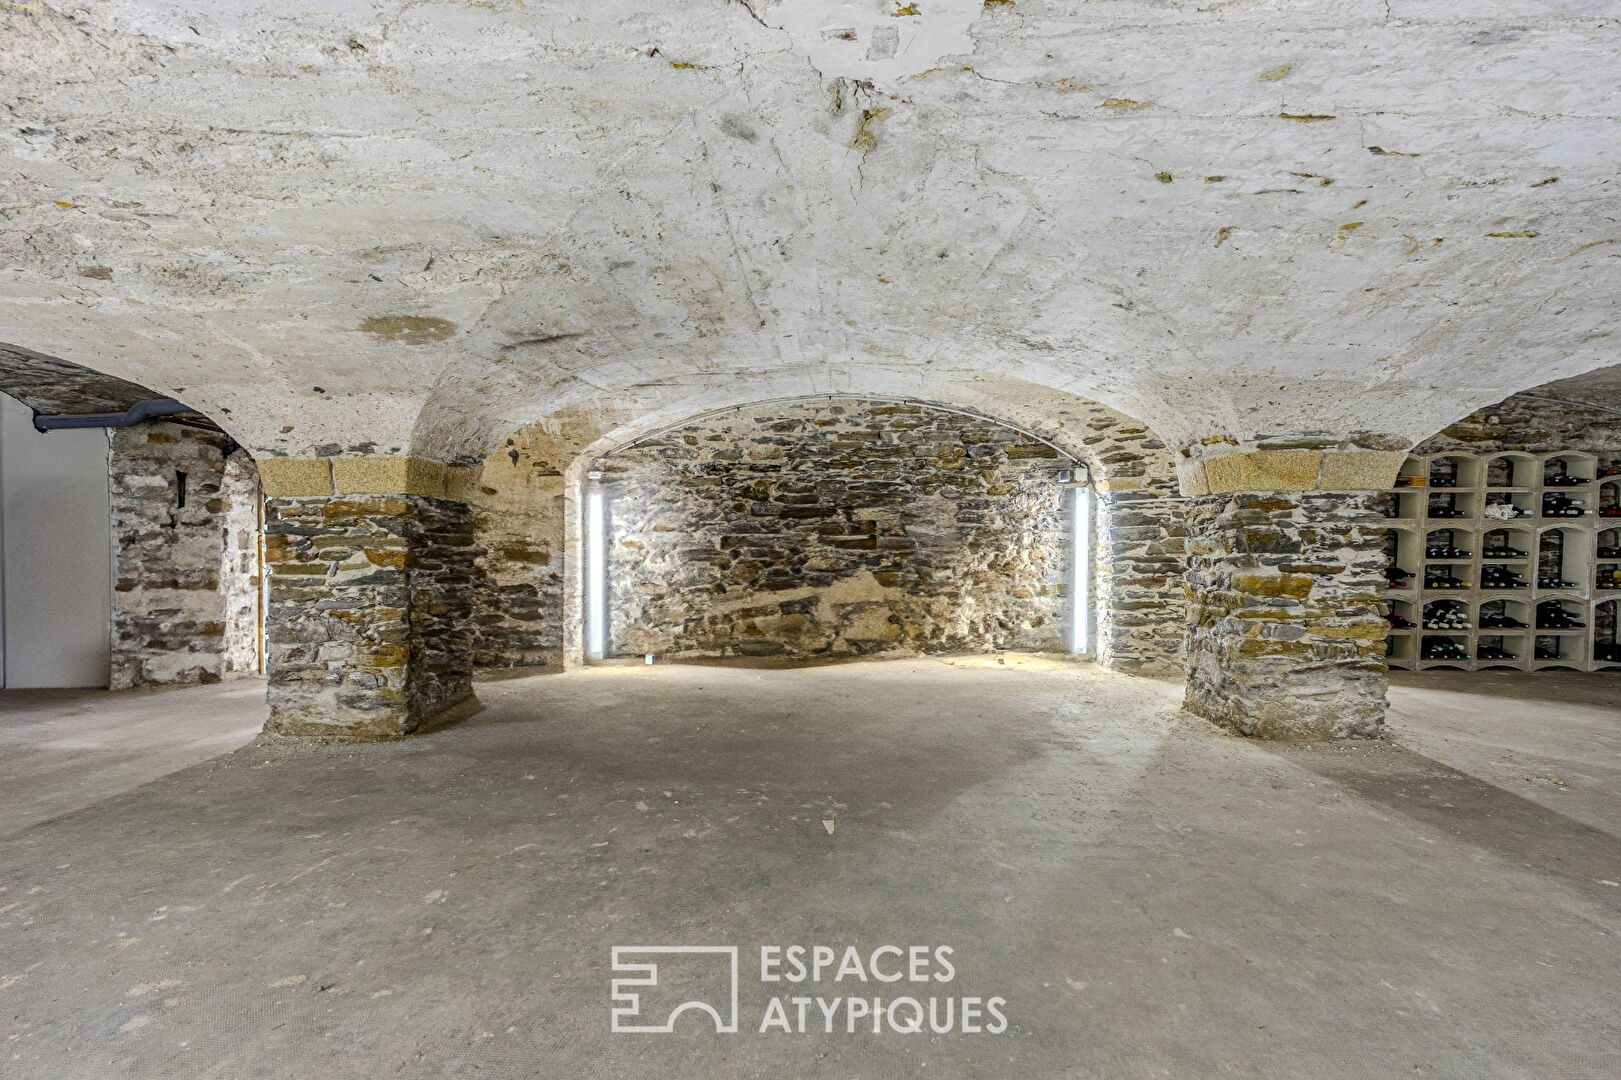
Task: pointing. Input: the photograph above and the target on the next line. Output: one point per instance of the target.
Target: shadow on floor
(1599, 689)
(1497, 821)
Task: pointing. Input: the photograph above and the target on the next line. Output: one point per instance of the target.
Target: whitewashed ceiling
(413, 227)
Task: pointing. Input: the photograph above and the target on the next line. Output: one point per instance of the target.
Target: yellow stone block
(1281, 586)
(1360, 470)
(423, 477)
(1291, 470)
(1264, 470)
(289, 477)
(462, 483)
(1191, 475)
(388, 476)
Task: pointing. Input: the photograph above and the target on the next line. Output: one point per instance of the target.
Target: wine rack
(1532, 587)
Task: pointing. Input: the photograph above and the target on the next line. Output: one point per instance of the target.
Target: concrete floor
(1552, 738)
(63, 750)
(1152, 897)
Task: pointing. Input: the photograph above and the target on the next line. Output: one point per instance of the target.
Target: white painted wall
(55, 554)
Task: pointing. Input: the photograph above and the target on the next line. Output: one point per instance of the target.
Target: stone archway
(179, 508)
(834, 527)
(526, 502)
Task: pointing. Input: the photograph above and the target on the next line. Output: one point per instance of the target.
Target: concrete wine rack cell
(1497, 503)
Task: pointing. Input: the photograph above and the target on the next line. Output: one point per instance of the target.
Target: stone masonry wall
(837, 528)
(1141, 553)
(1138, 551)
(185, 594)
(518, 516)
(240, 575)
(369, 627)
(1139, 547)
(1285, 632)
(1530, 426)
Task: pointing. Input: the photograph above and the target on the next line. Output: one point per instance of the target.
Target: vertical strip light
(262, 565)
(595, 586)
(1080, 573)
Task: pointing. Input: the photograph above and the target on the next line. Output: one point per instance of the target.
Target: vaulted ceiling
(412, 227)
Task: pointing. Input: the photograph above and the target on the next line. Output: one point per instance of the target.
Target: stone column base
(368, 626)
(1285, 633)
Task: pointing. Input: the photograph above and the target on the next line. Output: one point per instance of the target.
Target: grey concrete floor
(61, 750)
(1152, 897)
(1553, 738)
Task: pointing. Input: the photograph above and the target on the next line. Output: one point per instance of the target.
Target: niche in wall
(836, 528)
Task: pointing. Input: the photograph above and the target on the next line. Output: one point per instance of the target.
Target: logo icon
(693, 977)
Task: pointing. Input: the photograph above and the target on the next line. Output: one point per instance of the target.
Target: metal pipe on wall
(138, 413)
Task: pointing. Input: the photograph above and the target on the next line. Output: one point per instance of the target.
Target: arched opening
(835, 528)
(1518, 574)
(133, 530)
(530, 501)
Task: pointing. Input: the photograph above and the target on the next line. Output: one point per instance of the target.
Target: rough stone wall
(1137, 585)
(369, 626)
(1139, 546)
(1141, 554)
(1531, 426)
(51, 385)
(837, 528)
(518, 511)
(1285, 632)
(185, 594)
(239, 577)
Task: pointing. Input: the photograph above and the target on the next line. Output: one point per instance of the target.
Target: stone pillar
(371, 592)
(1285, 633)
